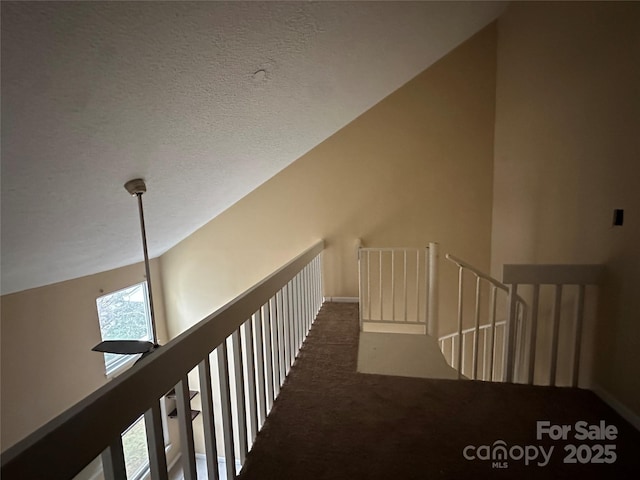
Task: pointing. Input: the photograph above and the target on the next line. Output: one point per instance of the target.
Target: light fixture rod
(146, 268)
(137, 187)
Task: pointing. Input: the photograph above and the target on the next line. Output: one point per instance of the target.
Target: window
(134, 445)
(124, 315)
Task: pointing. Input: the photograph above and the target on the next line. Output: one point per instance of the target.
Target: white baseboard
(341, 299)
(174, 461)
(390, 327)
(625, 412)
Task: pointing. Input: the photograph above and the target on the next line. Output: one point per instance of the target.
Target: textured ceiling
(204, 100)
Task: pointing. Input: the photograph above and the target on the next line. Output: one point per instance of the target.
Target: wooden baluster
(185, 427)
(225, 404)
(155, 442)
(208, 421)
(113, 461)
(249, 333)
(240, 395)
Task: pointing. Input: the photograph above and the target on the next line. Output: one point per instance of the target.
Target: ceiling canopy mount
(136, 186)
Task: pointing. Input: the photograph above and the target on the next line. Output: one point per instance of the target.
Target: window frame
(143, 470)
(116, 366)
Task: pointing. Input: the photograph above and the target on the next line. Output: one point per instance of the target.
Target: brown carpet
(330, 422)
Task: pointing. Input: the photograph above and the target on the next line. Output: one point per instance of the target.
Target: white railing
(558, 277)
(398, 286)
(271, 321)
(492, 358)
(490, 355)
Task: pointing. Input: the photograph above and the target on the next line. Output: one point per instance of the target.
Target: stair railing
(265, 328)
(399, 287)
(559, 277)
(493, 333)
(490, 369)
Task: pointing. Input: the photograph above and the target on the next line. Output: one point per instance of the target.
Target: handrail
(558, 276)
(476, 272)
(484, 276)
(132, 393)
(553, 274)
(389, 249)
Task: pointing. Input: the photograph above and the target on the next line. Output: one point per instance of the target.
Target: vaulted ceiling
(204, 100)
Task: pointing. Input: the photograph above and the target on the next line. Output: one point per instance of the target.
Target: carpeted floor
(330, 422)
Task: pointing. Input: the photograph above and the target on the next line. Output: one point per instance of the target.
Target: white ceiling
(204, 100)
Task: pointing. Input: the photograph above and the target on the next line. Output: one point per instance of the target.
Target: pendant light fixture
(136, 188)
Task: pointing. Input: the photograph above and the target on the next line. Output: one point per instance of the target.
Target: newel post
(510, 333)
(432, 293)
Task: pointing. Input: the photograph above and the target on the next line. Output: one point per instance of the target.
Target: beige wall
(567, 152)
(47, 336)
(415, 168)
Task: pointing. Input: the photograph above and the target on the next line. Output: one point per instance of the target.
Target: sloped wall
(566, 155)
(417, 167)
